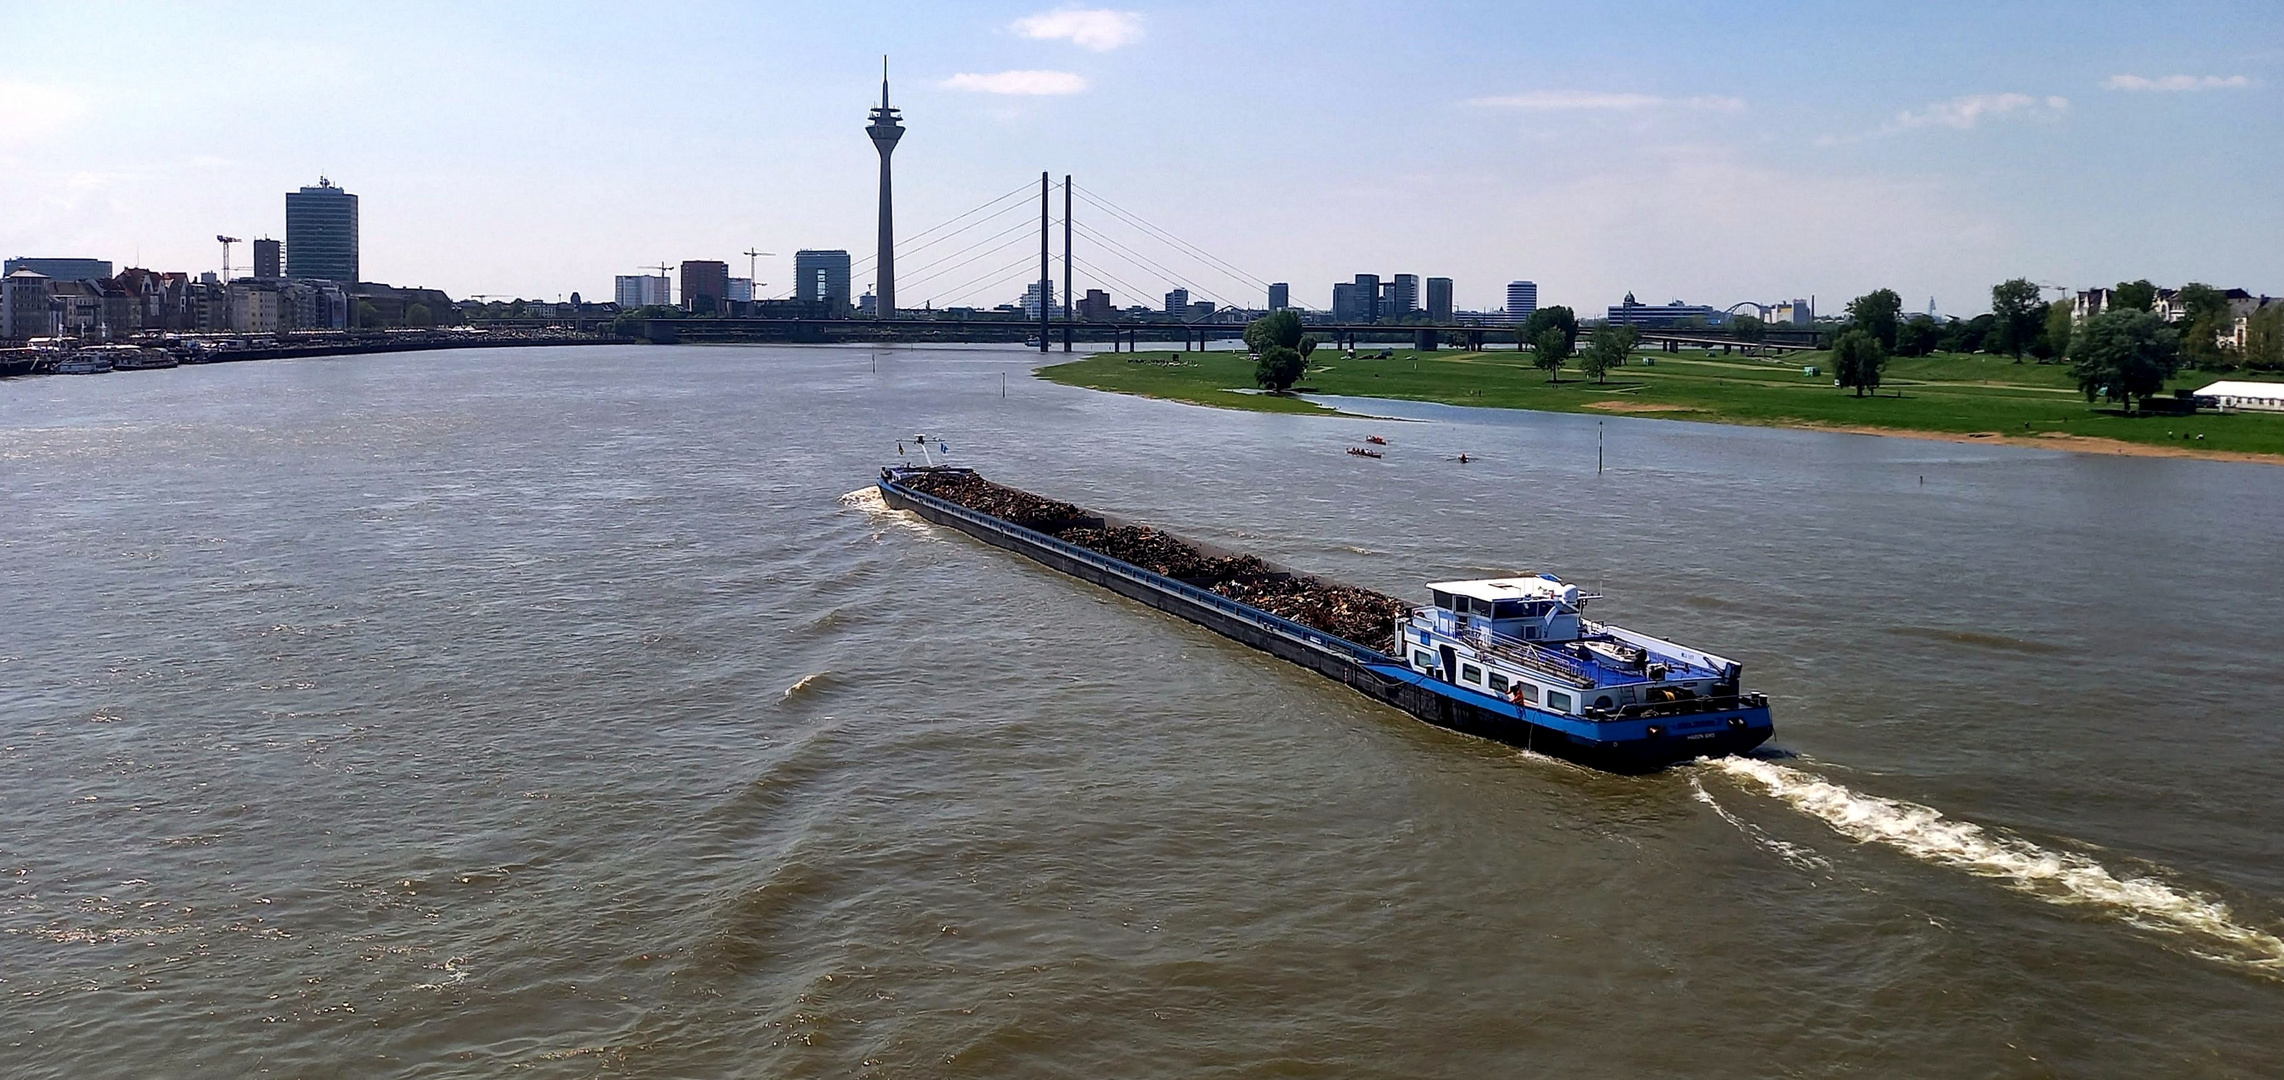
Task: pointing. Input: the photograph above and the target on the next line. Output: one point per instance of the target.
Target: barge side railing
(1247, 612)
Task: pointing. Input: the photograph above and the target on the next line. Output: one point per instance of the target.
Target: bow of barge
(1532, 673)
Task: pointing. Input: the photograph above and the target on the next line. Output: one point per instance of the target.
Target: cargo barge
(1509, 659)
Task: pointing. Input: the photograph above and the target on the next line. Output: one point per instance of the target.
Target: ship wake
(2058, 877)
(868, 500)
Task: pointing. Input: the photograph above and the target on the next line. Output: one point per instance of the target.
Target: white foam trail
(1799, 856)
(807, 681)
(2057, 877)
(868, 499)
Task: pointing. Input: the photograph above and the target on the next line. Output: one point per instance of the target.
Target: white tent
(2231, 394)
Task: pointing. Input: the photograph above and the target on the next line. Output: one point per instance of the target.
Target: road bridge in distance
(1130, 336)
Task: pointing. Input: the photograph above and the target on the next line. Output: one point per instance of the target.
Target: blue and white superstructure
(1525, 641)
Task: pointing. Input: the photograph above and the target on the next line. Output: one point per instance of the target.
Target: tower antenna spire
(885, 129)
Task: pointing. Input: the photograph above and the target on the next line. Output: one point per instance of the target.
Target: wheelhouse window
(1425, 661)
(1530, 693)
(1498, 683)
(1470, 673)
(1442, 598)
(1558, 701)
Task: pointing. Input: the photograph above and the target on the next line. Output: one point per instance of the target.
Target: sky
(1703, 151)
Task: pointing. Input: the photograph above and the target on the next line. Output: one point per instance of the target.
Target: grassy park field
(1947, 395)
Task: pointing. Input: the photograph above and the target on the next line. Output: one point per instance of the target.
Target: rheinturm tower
(885, 129)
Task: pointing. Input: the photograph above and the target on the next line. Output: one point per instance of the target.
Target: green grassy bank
(1948, 394)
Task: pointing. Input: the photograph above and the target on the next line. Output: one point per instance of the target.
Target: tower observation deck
(886, 127)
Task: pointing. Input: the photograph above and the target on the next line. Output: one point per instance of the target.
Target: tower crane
(226, 242)
(752, 262)
(662, 268)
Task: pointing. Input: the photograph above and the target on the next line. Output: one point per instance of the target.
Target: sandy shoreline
(2053, 440)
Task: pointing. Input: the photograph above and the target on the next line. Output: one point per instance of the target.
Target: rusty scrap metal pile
(1360, 615)
(1000, 501)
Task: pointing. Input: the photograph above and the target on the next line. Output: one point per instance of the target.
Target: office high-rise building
(636, 291)
(1178, 303)
(1095, 307)
(269, 261)
(1031, 298)
(1367, 297)
(1345, 306)
(321, 233)
(1522, 300)
(741, 290)
(60, 269)
(1439, 299)
(822, 277)
(705, 285)
(1403, 296)
(1280, 296)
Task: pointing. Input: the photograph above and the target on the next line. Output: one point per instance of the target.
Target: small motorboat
(1362, 452)
(1375, 440)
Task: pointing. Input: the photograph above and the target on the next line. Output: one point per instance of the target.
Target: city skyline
(2075, 153)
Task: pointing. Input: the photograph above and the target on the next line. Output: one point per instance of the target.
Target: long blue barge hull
(1633, 745)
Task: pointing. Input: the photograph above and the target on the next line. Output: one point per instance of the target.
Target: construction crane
(662, 268)
(752, 262)
(226, 242)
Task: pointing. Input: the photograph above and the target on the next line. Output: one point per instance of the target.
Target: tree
(1749, 328)
(419, 315)
(1878, 313)
(1968, 335)
(2123, 354)
(1279, 368)
(1308, 345)
(1918, 336)
(2134, 295)
(2020, 314)
(1558, 317)
(1608, 349)
(2060, 321)
(368, 316)
(2199, 300)
(1553, 351)
(2206, 311)
(2264, 338)
(1276, 329)
(1857, 360)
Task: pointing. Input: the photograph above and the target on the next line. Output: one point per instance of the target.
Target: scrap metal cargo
(1506, 659)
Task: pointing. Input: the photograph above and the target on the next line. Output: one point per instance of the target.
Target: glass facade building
(321, 233)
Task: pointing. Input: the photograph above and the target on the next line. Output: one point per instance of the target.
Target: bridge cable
(920, 273)
(1140, 259)
(992, 279)
(1169, 238)
(1019, 190)
(983, 254)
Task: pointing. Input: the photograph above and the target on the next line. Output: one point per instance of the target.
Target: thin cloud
(1100, 29)
(2176, 83)
(1019, 82)
(1594, 101)
(1970, 111)
(35, 111)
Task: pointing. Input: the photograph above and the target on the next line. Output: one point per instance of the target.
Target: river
(575, 712)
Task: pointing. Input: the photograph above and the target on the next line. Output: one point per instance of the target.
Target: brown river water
(577, 712)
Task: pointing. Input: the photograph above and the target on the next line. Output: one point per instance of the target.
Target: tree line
(2124, 354)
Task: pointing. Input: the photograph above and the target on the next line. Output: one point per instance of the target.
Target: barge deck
(1642, 740)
